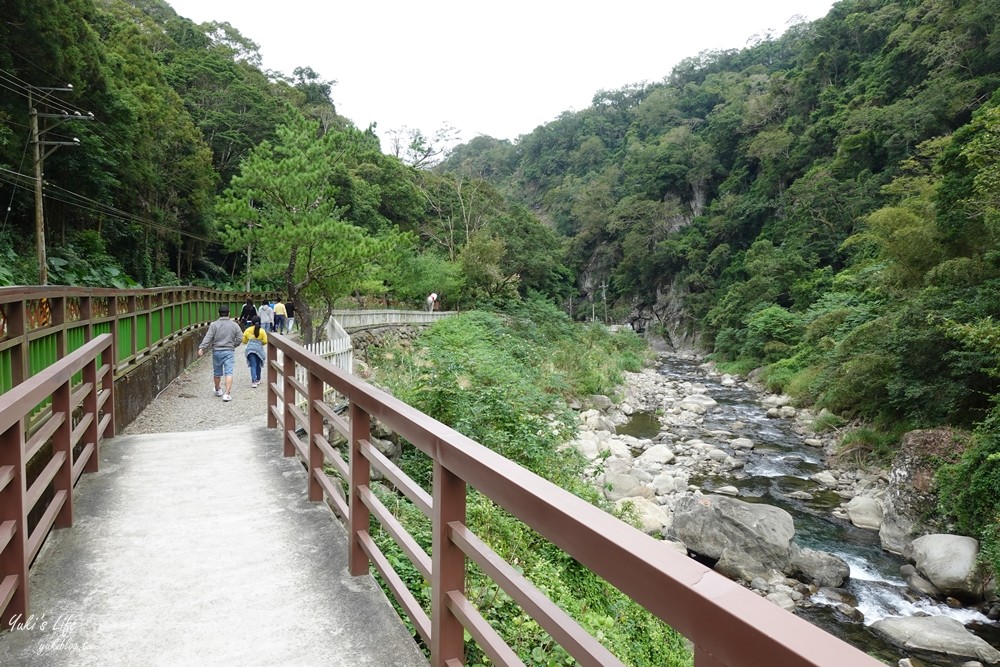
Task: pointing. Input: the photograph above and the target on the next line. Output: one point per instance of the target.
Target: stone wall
(140, 385)
(382, 335)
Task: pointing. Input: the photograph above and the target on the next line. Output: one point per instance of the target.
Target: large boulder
(865, 512)
(818, 567)
(950, 562)
(910, 500)
(938, 635)
(758, 535)
(653, 518)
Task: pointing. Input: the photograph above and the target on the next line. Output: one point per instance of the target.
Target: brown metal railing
(39, 325)
(728, 625)
(78, 414)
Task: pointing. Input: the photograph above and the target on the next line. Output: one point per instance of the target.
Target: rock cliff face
(910, 501)
(665, 324)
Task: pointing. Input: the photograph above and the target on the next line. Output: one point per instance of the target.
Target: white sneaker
(227, 397)
(218, 392)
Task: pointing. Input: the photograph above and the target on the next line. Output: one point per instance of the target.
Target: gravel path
(187, 403)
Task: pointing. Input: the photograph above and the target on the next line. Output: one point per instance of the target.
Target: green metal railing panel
(124, 339)
(156, 319)
(102, 328)
(6, 371)
(141, 330)
(42, 352)
(75, 339)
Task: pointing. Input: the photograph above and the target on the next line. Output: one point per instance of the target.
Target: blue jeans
(255, 364)
(222, 363)
(279, 323)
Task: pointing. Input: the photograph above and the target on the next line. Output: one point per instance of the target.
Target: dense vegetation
(823, 205)
(199, 167)
(503, 380)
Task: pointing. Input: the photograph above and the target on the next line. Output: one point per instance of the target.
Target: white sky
(500, 69)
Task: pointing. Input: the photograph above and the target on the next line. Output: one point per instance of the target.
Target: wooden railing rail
(729, 625)
(80, 415)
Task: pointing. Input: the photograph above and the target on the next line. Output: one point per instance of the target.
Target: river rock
(918, 583)
(865, 512)
(818, 567)
(741, 443)
(670, 482)
(618, 485)
(936, 634)
(782, 600)
(653, 518)
(758, 535)
(600, 402)
(775, 400)
(655, 457)
(950, 563)
(825, 478)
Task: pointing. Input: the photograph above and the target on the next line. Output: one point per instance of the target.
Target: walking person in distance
(248, 313)
(279, 316)
(266, 313)
(223, 337)
(255, 338)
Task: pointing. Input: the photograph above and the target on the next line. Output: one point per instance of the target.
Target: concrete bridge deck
(200, 548)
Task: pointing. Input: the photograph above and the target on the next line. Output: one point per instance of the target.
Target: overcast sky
(499, 69)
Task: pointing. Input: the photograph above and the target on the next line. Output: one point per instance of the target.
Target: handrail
(358, 319)
(729, 625)
(80, 415)
(41, 324)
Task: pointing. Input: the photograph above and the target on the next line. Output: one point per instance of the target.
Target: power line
(86, 203)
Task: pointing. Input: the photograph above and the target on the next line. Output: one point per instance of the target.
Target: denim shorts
(222, 362)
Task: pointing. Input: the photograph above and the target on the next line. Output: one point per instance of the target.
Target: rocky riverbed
(688, 480)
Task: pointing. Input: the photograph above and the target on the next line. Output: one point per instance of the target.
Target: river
(780, 464)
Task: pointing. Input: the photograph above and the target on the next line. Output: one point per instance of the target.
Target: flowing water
(780, 464)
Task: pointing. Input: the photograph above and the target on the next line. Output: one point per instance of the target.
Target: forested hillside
(823, 205)
(199, 167)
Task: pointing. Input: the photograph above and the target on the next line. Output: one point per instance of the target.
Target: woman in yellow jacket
(255, 338)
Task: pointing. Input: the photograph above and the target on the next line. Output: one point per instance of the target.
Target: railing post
(92, 434)
(112, 302)
(14, 558)
(315, 431)
(447, 567)
(17, 328)
(61, 442)
(272, 386)
(288, 419)
(361, 429)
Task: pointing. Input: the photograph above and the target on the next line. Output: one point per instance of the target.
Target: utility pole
(604, 297)
(39, 154)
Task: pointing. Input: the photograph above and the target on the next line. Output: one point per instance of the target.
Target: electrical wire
(76, 200)
(13, 192)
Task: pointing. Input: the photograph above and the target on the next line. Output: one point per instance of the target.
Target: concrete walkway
(200, 548)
